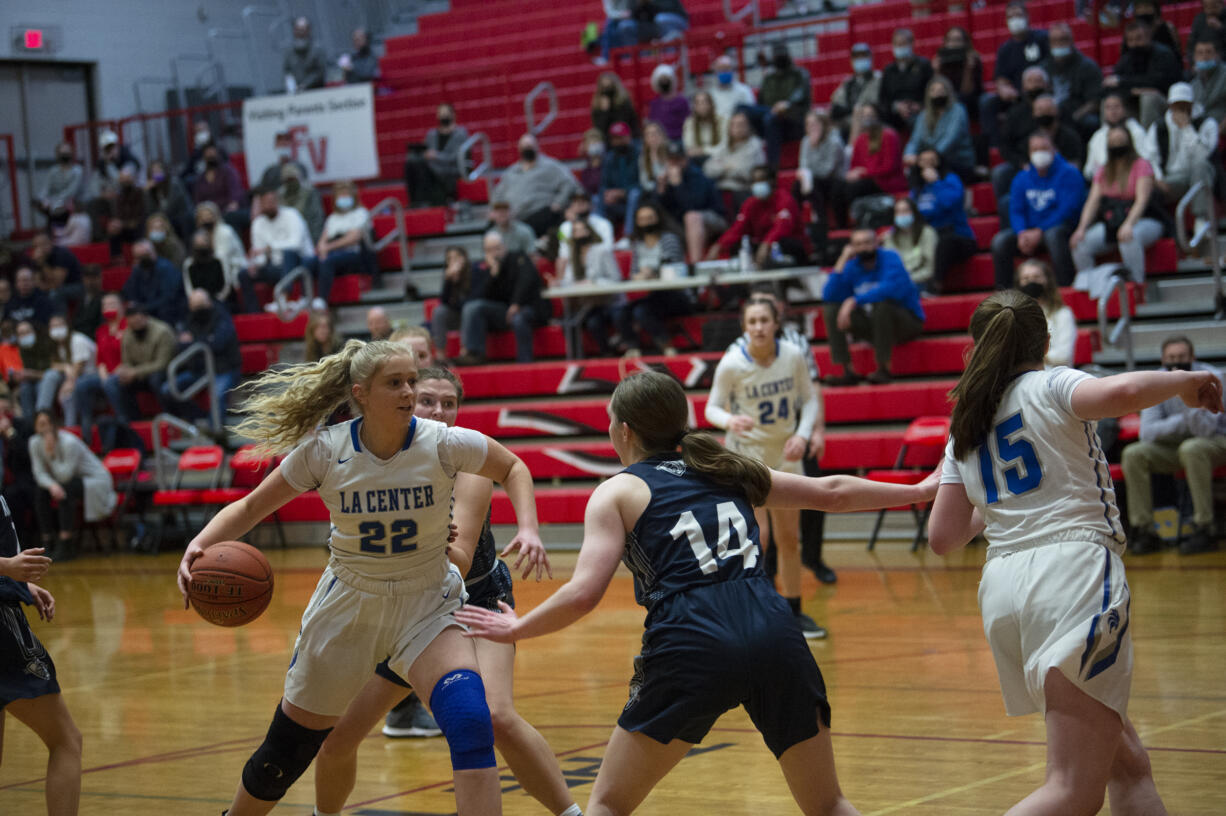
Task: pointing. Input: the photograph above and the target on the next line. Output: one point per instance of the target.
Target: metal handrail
(399, 234)
(487, 156)
(1208, 231)
(750, 9)
(280, 292)
(529, 110)
(1121, 335)
(209, 380)
(184, 427)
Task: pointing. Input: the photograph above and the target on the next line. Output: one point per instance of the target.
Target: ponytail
(705, 455)
(1010, 331)
(288, 403)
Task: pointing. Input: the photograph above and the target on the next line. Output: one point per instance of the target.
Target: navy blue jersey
(693, 533)
(10, 590)
(485, 557)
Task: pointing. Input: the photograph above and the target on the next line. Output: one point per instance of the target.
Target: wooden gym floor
(171, 707)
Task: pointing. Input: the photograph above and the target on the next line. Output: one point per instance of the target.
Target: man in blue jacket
(870, 296)
(619, 178)
(157, 283)
(1045, 202)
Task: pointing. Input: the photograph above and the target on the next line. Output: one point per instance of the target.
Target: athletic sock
(795, 604)
(573, 810)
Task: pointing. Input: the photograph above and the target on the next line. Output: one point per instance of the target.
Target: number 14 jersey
(1041, 474)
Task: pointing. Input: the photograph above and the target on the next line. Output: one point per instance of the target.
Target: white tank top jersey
(389, 516)
(1041, 475)
(779, 396)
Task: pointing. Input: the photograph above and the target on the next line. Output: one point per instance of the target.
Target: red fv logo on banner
(317, 149)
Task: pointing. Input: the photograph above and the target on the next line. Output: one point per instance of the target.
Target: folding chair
(922, 446)
(123, 464)
(198, 469)
(246, 470)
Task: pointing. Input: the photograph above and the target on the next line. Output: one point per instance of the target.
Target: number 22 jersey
(1041, 474)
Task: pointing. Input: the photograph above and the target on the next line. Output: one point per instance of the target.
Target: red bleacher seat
(263, 328)
(99, 253)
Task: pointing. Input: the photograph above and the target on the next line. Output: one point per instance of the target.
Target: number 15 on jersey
(1014, 454)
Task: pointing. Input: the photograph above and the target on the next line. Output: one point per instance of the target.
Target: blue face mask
(724, 77)
(903, 52)
(1061, 51)
(862, 65)
(344, 202)
(904, 220)
(1206, 65)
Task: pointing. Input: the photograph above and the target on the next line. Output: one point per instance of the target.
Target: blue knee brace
(459, 708)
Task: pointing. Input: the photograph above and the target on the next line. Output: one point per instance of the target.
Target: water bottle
(777, 256)
(745, 257)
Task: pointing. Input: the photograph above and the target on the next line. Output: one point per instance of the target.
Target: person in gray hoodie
(537, 187)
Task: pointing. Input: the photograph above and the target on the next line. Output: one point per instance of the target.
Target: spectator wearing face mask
(128, 214)
(203, 270)
(1209, 80)
(430, 177)
(88, 316)
(619, 177)
(283, 147)
(1150, 13)
(862, 86)
(303, 65)
(536, 187)
(592, 153)
(227, 246)
(145, 350)
(1025, 47)
(957, 61)
(580, 209)
(165, 242)
(611, 104)
(156, 283)
(103, 184)
(1076, 81)
(1145, 72)
(939, 198)
(590, 260)
(218, 183)
(207, 322)
(1209, 24)
(691, 199)
(944, 126)
(28, 301)
(57, 268)
(904, 81)
(783, 100)
(202, 138)
(1183, 145)
(669, 108)
(876, 165)
(770, 219)
(1114, 112)
(345, 245)
(303, 197)
(64, 182)
(727, 92)
(1036, 279)
(72, 356)
(107, 340)
(360, 64)
(39, 384)
(280, 242)
(165, 193)
(1043, 118)
(652, 246)
(915, 241)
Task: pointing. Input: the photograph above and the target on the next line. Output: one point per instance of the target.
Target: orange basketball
(231, 584)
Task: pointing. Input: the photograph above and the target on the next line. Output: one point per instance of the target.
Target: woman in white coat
(68, 476)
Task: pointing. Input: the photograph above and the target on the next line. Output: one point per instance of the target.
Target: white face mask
(202, 138)
(25, 340)
(761, 189)
(344, 202)
(1042, 159)
(58, 332)
(1017, 25)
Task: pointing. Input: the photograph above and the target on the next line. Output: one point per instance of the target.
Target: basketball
(231, 584)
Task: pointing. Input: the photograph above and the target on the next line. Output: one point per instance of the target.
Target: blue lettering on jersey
(770, 389)
(387, 500)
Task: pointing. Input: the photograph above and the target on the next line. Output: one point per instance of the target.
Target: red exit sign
(34, 39)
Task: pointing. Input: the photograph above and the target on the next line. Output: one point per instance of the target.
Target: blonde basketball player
(1024, 466)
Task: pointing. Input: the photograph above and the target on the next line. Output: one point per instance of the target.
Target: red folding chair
(199, 468)
(246, 470)
(923, 444)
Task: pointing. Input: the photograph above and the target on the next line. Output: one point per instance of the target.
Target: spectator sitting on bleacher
(704, 129)
(861, 87)
(165, 242)
(303, 65)
(320, 338)
(537, 187)
(107, 343)
(1114, 113)
(207, 322)
(1175, 437)
(1042, 116)
(903, 82)
(303, 197)
(876, 164)
(783, 101)
(619, 177)
(1183, 145)
(869, 296)
(378, 326)
(72, 485)
(203, 270)
(1076, 81)
(653, 158)
(283, 146)
(731, 165)
(147, 346)
(430, 176)
(822, 159)
(651, 248)
(29, 301)
(670, 108)
(280, 242)
(580, 209)
(39, 384)
(630, 22)
(156, 283)
(957, 61)
(1025, 47)
(227, 246)
(915, 241)
(360, 64)
(1209, 80)
(1035, 278)
(516, 235)
(770, 219)
(590, 260)
(65, 181)
(219, 183)
(1210, 23)
(103, 185)
(1150, 13)
(70, 228)
(511, 301)
(72, 355)
(592, 152)
(944, 126)
(127, 219)
(1044, 202)
(202, 137)
(691, 199)
(165, 193)
(1145, 72)
(939, 197)
(728, 93)
(462, 280)
(611, 104)
(344, 245)
(88, 316)
(57, 268)
(1120, 210)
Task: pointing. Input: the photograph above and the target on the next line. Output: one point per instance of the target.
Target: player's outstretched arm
(236, 520)
(604, 537)
(510, 471)
(1126, 393)
(27, 565)
(846, 494)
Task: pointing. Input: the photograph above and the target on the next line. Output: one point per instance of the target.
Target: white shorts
(769, 454)
(353, 623)
(1062, 605)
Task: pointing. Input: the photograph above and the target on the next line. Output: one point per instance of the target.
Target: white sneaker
(271, 307)
(319, 305)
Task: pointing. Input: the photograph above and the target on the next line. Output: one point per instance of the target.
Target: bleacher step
(1149, 335)
(1183, 289)
(1151, 357)
(1176, 308)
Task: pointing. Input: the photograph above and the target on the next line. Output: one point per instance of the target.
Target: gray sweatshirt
(547, 183)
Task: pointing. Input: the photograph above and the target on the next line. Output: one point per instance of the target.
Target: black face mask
(207, 225)
(1045, 121)
(782, 62)
(65, 158)
(1034, 94)
(649, 229)
(939, 102)
(623, 149)
(1178, 367)
(202, 254)
(445, 121)
(1142, 50)
(867, 257)
(1034, 289)
(139, 334)
(145, 262)
(528, 154)
(1117, 151)
(212, 161)
(1148, 19)
(201, 316)
(666, 85)
(59, 219)
(609, 92)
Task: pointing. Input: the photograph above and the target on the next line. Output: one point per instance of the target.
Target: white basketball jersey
(774, 395)
(389, 516)
(1041, 474)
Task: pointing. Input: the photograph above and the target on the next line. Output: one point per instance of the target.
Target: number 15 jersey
(1041, 474)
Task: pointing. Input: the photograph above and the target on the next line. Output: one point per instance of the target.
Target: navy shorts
(486, 593)
(26, 670)
(711, 649)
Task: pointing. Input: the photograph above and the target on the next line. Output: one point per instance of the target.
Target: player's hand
(741, 424)
(453, 532)
(192, 552)
(794, 448)
(528, 543)
(483, 623)
(931, 482)
(27, 565)
(43, 602)
(1203, 390)
(817, 445)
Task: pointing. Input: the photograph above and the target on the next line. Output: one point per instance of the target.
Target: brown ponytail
(1010, 331)
(655, 408)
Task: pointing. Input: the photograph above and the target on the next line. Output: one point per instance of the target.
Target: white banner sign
(332, 131)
